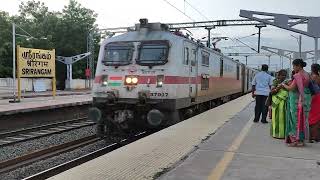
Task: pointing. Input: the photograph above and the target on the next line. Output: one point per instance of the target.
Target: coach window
(238, 72)
(186, 56)
(193, 57)
(205, 58)
(221, 66)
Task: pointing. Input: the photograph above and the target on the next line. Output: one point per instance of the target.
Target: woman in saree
(314, 116)
(298, 106)
(278, 104)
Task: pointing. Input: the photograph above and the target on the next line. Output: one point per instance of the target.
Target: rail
(12, 137)
(24, 160)
(68, 165)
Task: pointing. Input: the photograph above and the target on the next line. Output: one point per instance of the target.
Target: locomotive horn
(155, 117)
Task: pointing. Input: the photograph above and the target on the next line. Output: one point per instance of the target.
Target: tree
(77, 22)
(65, 31)
(5, 45)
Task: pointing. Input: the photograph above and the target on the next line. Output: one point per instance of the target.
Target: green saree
(297, 127)
(279, 114)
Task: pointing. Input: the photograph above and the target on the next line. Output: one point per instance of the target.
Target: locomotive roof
(142, 36)
(158, 35)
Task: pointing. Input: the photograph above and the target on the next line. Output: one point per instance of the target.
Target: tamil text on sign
(36, 62)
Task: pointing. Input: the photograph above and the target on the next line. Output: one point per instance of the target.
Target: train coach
(151, 77)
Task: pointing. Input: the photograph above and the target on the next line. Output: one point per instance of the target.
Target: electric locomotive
(151, 77)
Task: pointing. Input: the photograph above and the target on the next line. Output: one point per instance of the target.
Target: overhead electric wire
(24, 31)
(178, 9)
(196, 10)
(235, 40)
(248, 36)
(246, 45)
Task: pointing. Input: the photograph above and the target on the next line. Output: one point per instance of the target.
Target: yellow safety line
(218, 171)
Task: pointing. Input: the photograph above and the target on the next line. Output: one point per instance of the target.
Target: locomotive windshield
(153, 53)
(118, 54)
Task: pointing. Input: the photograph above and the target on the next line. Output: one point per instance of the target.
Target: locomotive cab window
(205, 58)
(118, 54)
(153, 53)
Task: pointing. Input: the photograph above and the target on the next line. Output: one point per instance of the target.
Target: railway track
(12, 164)
(12, 137)
(70, 164)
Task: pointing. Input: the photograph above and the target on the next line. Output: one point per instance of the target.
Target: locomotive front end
(130, 90)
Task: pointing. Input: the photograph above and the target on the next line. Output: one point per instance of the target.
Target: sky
(119, 13)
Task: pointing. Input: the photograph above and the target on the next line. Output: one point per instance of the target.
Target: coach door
(191, 56)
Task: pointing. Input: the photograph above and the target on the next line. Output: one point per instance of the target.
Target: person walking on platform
(298, 105)
(278, 103)
(314, 116)
(261, 86)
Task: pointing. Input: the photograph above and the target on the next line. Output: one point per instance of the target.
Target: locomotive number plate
(158, 94)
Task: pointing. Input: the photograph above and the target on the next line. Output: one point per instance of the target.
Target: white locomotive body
(151, 77)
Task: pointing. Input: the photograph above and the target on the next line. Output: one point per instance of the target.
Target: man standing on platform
(261, 86)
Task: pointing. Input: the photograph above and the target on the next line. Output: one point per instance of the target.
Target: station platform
(243, 150)
(222, 143)
(8, 95)
(43, 103)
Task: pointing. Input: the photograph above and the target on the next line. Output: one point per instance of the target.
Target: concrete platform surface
(256, 156)
(149, 157)
(43, 103)
(46, 94)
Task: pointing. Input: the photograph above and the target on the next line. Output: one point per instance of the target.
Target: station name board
(36, 62)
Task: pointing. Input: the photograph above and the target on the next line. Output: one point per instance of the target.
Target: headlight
(105, 83)
(104, 80)
(128, 80)
(131, 80)
(160, 79)
(134, 80)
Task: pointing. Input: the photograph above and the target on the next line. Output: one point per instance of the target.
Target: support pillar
(68, 61)
(300, 39)
(69, 76)
(316, 55)
(290, 65)
(259, 34)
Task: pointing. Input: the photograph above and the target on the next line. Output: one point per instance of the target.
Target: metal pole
(300, 38)
(246, 60)
(68, 85)
(14, 60)
(315, 50)
(259, 33)
(269, 61)
(209, 37)
(87, 65)
(70, 68)
(290, 65)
